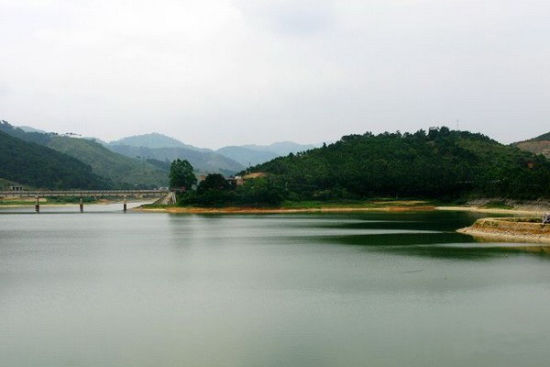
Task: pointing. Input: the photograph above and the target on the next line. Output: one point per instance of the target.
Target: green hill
(438, 164)
(202, 161)
(122, 171)
(38, 166)
(543, 137)
(154, 141)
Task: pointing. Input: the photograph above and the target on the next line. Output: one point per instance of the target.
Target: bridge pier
(81, 194)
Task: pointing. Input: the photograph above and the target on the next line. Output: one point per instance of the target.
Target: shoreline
(250, 210)
(509, 230)
(335, 209)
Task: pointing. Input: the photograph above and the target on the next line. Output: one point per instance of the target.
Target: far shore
(336, 209)
(252, 210)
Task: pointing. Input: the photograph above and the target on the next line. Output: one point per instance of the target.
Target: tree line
(439, 164)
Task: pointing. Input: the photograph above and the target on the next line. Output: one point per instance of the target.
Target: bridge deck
(83, 193)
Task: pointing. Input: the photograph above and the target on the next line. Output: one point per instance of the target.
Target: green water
(105, 288)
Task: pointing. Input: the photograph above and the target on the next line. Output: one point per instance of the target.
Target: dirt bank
(477, 209)
(245, 210)
(510, 230)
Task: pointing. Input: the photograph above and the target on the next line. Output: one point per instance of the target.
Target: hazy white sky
(223, 72)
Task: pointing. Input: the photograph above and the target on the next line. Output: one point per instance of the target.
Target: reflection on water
(105, 288)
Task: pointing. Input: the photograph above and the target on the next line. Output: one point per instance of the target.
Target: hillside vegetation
(41, 167)
(438, 164)
(153, 141)
(202, 161)
(121, 171)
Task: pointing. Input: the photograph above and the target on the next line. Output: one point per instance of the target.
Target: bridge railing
(37, 194)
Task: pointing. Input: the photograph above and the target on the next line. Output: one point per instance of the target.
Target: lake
(106, 288)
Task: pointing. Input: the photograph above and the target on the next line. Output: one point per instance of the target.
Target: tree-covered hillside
(122, 171)
(438, 164)
(544, 137)
(35, 165)
(202, 161)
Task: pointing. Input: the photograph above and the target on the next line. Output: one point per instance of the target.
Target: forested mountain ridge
(154, 141)
(121, 171)
(202, 161)
(251, 155)
(246, 156)
(41, 167)
(438, 164)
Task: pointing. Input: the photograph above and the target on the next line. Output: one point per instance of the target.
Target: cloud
(294, 18)
(217, 72)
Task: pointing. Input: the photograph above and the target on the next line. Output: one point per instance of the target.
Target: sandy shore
(342, 209)
(477, 209)
(245, 210)
(509, 230)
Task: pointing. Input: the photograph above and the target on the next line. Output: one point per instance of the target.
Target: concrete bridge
(166, 195)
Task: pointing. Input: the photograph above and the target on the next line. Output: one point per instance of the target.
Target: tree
(213, 181)
(181, 174)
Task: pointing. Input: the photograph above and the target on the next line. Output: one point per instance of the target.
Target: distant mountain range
(49, 160)
(538, 145)
(144, 160)
(282, 148)
(35, 165)
(251, 155)
(246, 156)
(154, 141)
(117, 170)
(226, 160)
(202, 161)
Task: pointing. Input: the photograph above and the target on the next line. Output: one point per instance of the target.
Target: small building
(240, 180)
(236, 180)
(15, 188)
(254, 175)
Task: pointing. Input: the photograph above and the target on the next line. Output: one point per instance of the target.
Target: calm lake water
(106, 288)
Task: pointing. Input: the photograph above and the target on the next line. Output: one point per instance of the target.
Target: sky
(229, 72)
